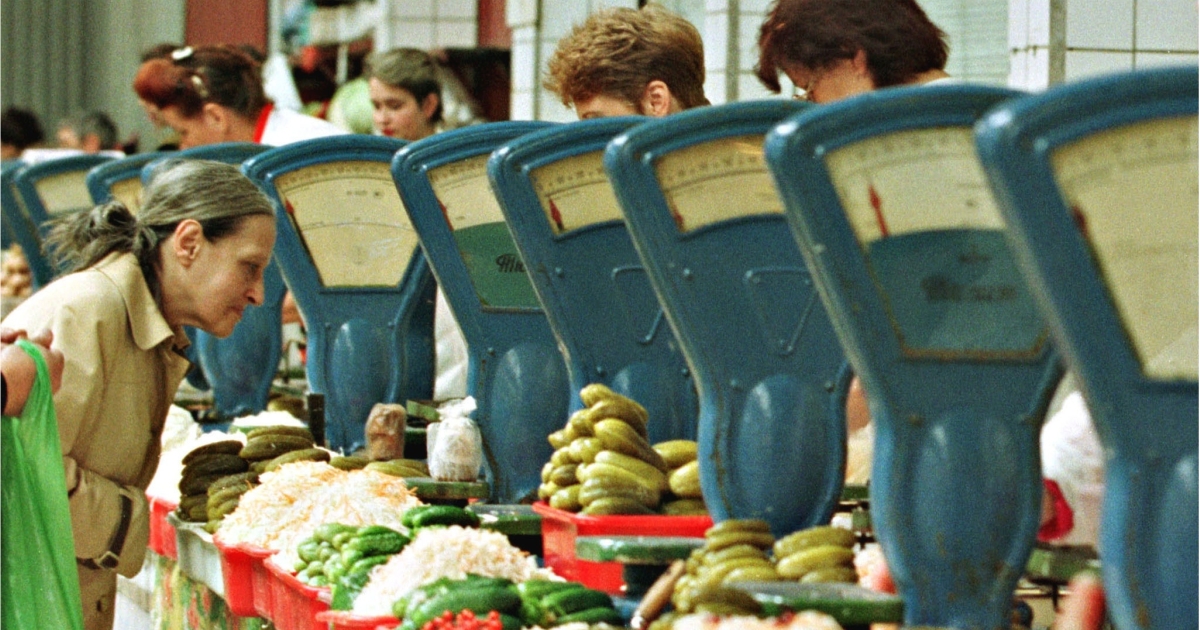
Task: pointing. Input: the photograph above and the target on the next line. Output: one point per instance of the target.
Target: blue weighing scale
(772, 380)
(515, 371)
(239, 368)
(20, 226)
(121, 179)
(47, 190)
(893, 213)
(1098, 182)
(349, 254)
(7, 233)
(567, 224)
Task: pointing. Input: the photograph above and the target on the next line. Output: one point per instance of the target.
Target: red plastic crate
(346, 620)
(294, 604)
(560, 529)
(242, 569)
(162, 534)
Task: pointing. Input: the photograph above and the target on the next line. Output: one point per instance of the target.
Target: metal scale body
(567, 224)
(350, 256)
(894, 215)
(709, 228)
(121, 179)
(46, 190)
(7, 233)
(239, 368)
(515, 370)
(1098, 182)
(20, 227)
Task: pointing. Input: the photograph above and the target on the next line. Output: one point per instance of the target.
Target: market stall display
(516, 373)
(887, 199)
(350, 257)
(709, 229)
(564, 217)
(1097, 182)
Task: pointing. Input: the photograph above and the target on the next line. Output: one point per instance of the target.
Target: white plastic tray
(198, 557)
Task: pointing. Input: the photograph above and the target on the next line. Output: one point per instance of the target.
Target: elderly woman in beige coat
(193, 256)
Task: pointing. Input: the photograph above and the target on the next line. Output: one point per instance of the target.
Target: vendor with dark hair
(832, 49)
(193, 256)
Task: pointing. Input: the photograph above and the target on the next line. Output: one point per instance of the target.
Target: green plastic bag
(40, 585)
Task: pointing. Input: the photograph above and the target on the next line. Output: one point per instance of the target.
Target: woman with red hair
(211, 94)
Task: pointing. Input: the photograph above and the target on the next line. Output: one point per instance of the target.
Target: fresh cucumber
(598, 614)
(566, 602)
(503, 599)
(445, 515)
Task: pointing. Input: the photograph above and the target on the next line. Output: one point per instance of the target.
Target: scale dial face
(484, 242)
(129, 192)
(920, 208)
(351, 221)
(922, 180)
(1133, 193)
(64, 192)
(575, 192)
(716, 181)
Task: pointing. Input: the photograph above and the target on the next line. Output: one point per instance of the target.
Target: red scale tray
(294, 604)
(346, 620)
(162, 534)
(247, 587)
(560, 529)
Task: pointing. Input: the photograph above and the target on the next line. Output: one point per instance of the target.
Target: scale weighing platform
(515, 370)
(892, 210)
(121, 179)
(239, 368)
(709, 228)
(566, 222)
(1098, 182)
(349, 254)
(47, 190)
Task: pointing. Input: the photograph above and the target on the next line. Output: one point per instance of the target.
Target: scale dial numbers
(466, 196)
(1133, 193)
(351, 221)
(716, 181)
(575, 192)
(885, 184)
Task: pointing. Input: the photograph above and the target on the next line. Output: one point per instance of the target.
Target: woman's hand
(19, 369)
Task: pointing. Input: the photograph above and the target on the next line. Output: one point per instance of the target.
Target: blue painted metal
(102, 178)
(1148, 536)
(771, 377)
(366, 344)
(24, 231)
(7, 232)
(26, 180)
(958, 386)
(239, 368)
(589, 278)
(515, 371)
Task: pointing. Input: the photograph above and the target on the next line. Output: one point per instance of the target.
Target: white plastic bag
(456, 449)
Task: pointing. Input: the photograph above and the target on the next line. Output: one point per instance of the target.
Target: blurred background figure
(20, 129)
(90, 132)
